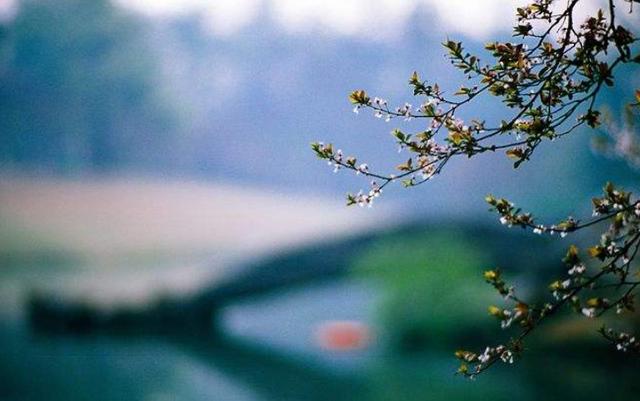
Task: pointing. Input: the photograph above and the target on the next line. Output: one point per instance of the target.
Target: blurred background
(166, 232)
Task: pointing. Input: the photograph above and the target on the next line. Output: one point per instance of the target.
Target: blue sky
(336, 17)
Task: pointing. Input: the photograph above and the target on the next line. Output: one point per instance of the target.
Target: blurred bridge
(198, 312)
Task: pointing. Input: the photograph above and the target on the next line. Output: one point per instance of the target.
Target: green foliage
(430, 286)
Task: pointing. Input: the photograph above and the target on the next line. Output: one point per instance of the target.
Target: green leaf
(359, 97)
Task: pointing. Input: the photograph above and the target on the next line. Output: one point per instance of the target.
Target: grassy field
(158, 235)
(103, 217)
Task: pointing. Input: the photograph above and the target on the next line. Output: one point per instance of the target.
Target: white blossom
(507, 356)
(577, 269)
(589, 312)
(363, 168)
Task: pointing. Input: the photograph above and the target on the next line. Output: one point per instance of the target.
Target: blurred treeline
(79, 90)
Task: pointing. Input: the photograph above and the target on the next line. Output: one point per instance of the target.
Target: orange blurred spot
(342, 335)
